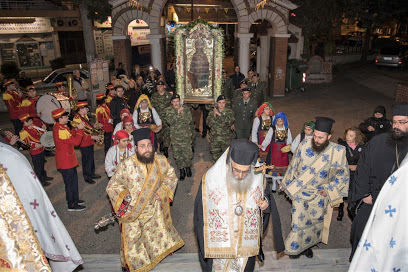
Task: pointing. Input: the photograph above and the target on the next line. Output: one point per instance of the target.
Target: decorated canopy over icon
(199, 55)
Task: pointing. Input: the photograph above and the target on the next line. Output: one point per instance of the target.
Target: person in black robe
(237, 77)
(117, 104)
(376, 124)
(244, 156)
(381, 157)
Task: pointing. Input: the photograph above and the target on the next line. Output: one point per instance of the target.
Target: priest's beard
(145, 158)
(239, 185)
(397, 137)
(319, 148)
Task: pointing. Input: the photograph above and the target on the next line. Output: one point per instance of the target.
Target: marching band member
(145, 115)
(28, 103)
(12, 98)
(62, 90)
(65, 140)
(31, 135)
(117, 153)
(104, 119)
(110, 93)
(86, 146)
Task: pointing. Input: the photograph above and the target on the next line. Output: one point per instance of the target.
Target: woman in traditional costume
(145, 116)
(117, 153)
(280, 137)
(260, 127)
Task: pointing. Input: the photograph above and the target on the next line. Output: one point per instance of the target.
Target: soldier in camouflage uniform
(160, 101)
(228, 88)
(220, 120)
(180, 120)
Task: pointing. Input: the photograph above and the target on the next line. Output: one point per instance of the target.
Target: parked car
(47, 84)
(351, 45)
(392, 57)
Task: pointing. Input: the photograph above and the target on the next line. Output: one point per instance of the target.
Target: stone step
(333, 260)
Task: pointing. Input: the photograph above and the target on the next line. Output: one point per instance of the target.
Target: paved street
(349, 99)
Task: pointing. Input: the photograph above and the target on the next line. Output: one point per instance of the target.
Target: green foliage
(318, 17)
(10, 69)
(57, 63)
(99, 10)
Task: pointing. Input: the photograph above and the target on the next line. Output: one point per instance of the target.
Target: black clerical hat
(324, 124)
(141, 134)
(243, 152)
(401, 109)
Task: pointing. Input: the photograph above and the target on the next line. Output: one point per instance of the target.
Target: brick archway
(124, 14)
(275, 17)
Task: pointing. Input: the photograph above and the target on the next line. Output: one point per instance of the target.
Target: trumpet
(93, 132)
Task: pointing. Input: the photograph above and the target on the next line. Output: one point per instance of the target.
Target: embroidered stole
(147, 184)
(221, 238)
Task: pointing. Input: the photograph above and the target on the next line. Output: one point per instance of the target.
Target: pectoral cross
(263, 168)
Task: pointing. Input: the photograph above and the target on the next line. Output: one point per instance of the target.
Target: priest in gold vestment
(140, 193)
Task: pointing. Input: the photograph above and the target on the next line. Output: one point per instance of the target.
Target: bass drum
(47, 103)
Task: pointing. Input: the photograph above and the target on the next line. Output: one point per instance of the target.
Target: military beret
(160, 82)
(246, 90)
(221, 97)
(175, 96)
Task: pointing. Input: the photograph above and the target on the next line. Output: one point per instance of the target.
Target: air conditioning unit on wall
(67, 22)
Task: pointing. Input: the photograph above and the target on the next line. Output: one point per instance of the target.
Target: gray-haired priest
(230, 214)
(140, 192)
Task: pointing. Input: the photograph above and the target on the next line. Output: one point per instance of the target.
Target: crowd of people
(139, 119)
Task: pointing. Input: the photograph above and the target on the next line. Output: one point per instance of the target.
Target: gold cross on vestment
(264, 167)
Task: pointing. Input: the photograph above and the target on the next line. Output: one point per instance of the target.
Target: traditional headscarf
(127, 119)
(120, 134)
(262, 107)
(124, 111)
(309, 124)
(141, 98)
(282, 116)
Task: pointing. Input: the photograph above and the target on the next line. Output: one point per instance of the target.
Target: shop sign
(138, 36)
(40, 25)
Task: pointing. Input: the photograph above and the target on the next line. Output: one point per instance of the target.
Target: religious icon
(199, 55)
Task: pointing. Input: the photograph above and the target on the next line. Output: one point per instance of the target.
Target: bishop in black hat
(230, 192)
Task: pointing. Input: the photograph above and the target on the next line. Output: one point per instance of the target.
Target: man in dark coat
(381, 157)
(117, 104)
(230, 201)
(237, 77)
(376, 124)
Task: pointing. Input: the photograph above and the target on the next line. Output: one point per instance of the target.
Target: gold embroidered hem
(20, 249)
(160, 258)
(147, 231)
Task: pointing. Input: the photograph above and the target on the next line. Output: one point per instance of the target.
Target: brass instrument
(71, 91)
(93, 132)
(101, 131)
